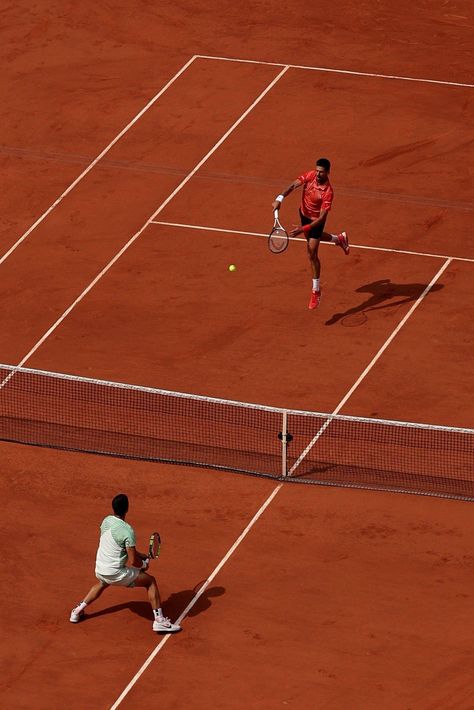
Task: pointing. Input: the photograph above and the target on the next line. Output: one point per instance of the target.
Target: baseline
(341, 71)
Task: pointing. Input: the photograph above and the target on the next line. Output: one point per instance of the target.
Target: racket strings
(278, 240)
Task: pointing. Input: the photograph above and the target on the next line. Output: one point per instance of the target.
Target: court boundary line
(99, 157)
(330, 70)
(300, 239)
(128, 244)
(276, 490)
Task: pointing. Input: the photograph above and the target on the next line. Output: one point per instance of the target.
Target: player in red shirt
(316, 202)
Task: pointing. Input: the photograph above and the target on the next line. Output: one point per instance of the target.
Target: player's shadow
(178, 601)
(141, 608)
(172, 607)
(381, 292)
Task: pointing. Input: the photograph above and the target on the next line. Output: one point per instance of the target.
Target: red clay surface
(336, 599)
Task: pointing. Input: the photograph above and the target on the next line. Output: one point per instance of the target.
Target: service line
(300, 239)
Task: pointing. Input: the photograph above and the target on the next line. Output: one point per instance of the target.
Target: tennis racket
(154, 546)
(278, 239)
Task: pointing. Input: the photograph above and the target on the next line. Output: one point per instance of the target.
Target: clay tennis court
(140, 154)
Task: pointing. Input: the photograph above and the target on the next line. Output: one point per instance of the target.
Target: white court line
(340, 71)
(149, 221)
(299, 239)
(197, 596)
(370, 365)
(96, 160)
(272, 495)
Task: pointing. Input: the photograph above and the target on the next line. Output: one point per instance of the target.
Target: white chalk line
(299, 239)
(348, 72)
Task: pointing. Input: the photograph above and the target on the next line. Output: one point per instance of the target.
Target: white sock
(158, 613)
(315, 284)
(334, 238)
(80, 607)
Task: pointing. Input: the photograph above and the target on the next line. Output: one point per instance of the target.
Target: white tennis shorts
(123, 578)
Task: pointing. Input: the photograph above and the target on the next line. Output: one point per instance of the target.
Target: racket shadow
(178, 601)
(381, 295)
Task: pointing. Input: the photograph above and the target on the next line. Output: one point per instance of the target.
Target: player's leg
(161, 622)
(149, 582)
(312, 246)
(339, 240)
(94, 593)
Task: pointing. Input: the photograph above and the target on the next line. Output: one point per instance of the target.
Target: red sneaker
(315, 299)
(343, 242)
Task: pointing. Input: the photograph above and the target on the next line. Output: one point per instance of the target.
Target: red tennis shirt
(315, 197)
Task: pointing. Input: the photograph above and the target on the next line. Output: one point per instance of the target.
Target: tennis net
(95, 416)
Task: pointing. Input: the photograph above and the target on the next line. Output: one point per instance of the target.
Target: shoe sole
(76, 619)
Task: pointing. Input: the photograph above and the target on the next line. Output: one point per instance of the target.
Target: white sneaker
(165, 626)
(76, 615)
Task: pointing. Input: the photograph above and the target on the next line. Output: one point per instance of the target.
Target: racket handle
(275, 214)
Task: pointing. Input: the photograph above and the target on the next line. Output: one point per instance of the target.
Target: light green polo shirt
(115, 536)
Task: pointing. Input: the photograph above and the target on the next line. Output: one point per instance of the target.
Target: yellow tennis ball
(232, 267)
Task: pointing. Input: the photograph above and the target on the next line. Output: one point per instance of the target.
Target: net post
(284, 443)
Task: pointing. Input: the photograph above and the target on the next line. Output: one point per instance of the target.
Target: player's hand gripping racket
(278, 239)
(154, 546)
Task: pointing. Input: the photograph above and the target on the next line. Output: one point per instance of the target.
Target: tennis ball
(232, 267)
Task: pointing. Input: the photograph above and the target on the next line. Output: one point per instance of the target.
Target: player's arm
(315, 223)
(135, 558)
(276, 204)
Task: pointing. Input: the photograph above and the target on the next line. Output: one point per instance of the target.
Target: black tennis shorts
(315, 232)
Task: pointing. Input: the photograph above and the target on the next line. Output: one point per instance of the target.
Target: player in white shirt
(117, 547)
